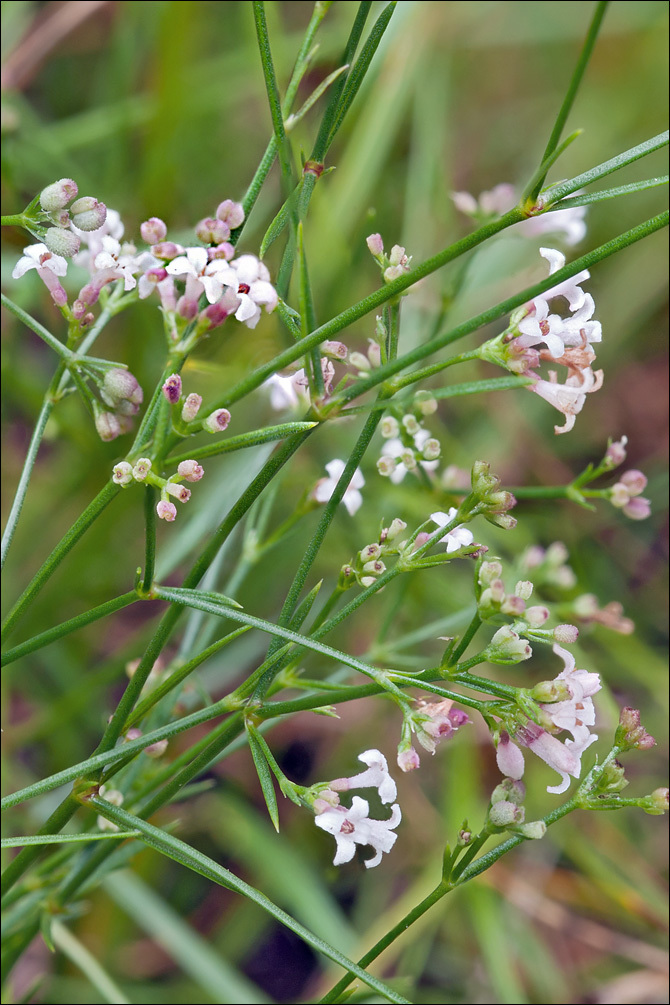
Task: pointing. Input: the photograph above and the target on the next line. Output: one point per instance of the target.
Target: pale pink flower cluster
(568, 342)
(626, 495)
(124, 473)
(353, 825)
(575, 714)
(569, 223)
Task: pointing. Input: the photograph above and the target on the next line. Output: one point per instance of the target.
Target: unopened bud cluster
(368, 564)
(491, 501)
(626, 495)
(185, 409)
(548, 566)
(125, 473)
(85, 214)
(408, 443)
(393, 265)
(493, 601)
(507, 814)
(122, 397)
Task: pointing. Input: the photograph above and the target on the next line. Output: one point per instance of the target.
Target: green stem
(244, 440)
(536, 182)
(13, 220)
(55, 823)
(470, 633)
(150, 537)
(77, 530)
(430, 371)
(65, 354)
(283, 146)
(587, 198)
(73, 625)
(417, 912)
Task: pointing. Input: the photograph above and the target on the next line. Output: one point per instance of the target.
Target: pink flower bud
(509, 757)
(212, 231)
(536, 616)
(635, 482)
(153, 230)
(187, 307)
(167, 250)
(166, 510)
(58, 194)
(107, 426)
(191, 407)
(62, 242)
(88, 214)
(616, 453)
(172, 388)
(376, 245)
(225, 250)
(156, 749)
(408, 760)
(619, 495)
(638, 508)
(337, 350)
(566, 634)
(231, 213)
(191, 471)
(179, 492)
(217, 421)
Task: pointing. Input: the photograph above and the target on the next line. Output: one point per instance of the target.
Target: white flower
(569, 288)
(288, 392)
(250, 280)
(459, 537)
(111, 259)
(324, 488)
(570, 223)
(576, 713)
(353, 826)
(557, 332)
(396, 448)
(376, 776)
(569, 397)
(195, 264)
(38, 256)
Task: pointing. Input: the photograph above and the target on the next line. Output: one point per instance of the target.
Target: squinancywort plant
(199, 286)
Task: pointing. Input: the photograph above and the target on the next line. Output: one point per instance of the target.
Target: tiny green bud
(533, 830)
(505, 813)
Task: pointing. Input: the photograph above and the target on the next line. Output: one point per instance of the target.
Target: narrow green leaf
(586, 198)
(87, 963)
(244, 440)
(32, 839)
(264, 776)
(280, 221)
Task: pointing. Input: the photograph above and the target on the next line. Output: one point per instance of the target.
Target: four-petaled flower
(352, 497)
(459, 537)
(353, 826)
(250, 281)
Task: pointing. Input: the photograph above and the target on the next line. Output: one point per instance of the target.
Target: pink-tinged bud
(107, 426)
(635, 482)
(141, 469)
(489, 572)
(231, 213)
(166, 510)
(212, 231)
(509, 757)
(156, 749)
(396, 528)
(513, 605)
(179, 492)
(133, 734)
(153, 230)
(375, 245)
(524, 589)
(217, 421)
(374, 353)
(88, 295)
(421, 538)
(78, 309)
(536, 616)
(88, 214)
(191, 407)
(58, 194)
(619, 495)
(533, 830)
(660, 801)
(506, 814)
(187, 307)
(370, 552)
(616, 453)
(61, 218)
(225, 250)
(167, 250)
(172, 388)
(120, 387)
(62, 242)
(503, 520)
(122, 473)
(408, 760)
(52, 283)
(191, 471)
(337, 350)
(566, 634)
(217, 313)
(631, 732)
(638, 508)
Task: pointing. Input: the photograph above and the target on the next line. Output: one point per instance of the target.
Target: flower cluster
(368, 564)
(626, 495)
(408, 444)
(432, 721)
(392, 265)
(292, 391)
(570, 707)
(569, 223)
(353, 825)
(185, 409)
(125, 473)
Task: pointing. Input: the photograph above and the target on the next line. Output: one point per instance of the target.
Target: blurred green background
(159, 109)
